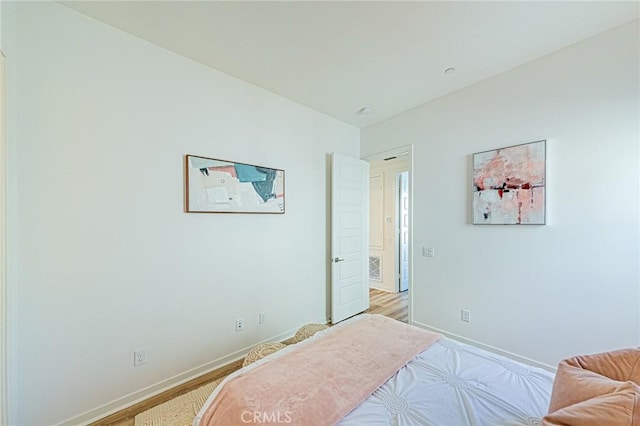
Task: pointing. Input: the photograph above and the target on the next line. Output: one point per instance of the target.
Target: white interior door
(349, 237)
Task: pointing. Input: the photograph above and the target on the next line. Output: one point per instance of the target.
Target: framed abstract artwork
(509, 185)
(221, 186)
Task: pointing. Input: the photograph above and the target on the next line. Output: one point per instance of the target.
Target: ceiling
(338, 57)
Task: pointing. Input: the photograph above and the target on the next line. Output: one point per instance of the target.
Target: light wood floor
(393, 305)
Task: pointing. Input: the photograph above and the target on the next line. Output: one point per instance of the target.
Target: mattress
(448, 384)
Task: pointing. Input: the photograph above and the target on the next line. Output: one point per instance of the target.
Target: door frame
(3, 244)
(398, 239)
(403, 150)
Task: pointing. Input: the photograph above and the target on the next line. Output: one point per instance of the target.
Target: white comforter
(451, 384)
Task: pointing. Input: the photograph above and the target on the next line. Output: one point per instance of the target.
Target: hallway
(393, 305)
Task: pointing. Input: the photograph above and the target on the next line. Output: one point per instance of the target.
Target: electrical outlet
(428, 252)
(466, 315)
(139, 357)
(239, 324)
(262, 318)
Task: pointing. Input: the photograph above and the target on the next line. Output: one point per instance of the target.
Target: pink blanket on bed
(324, 379)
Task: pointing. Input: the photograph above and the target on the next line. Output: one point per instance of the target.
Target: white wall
(104, 259)
(543, 292)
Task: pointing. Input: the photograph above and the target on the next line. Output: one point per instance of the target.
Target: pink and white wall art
(509, 185)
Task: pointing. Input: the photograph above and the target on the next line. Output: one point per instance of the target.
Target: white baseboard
(386, 290)
(164, 385)
(489, 348)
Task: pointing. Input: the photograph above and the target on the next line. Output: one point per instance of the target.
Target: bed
(438, 381)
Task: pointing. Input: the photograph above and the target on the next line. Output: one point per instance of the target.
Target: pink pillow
(623, 364)
(600, 389)
(619, 407)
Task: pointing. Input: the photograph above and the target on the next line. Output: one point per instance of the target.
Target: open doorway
(402, 220)
(390, 233)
